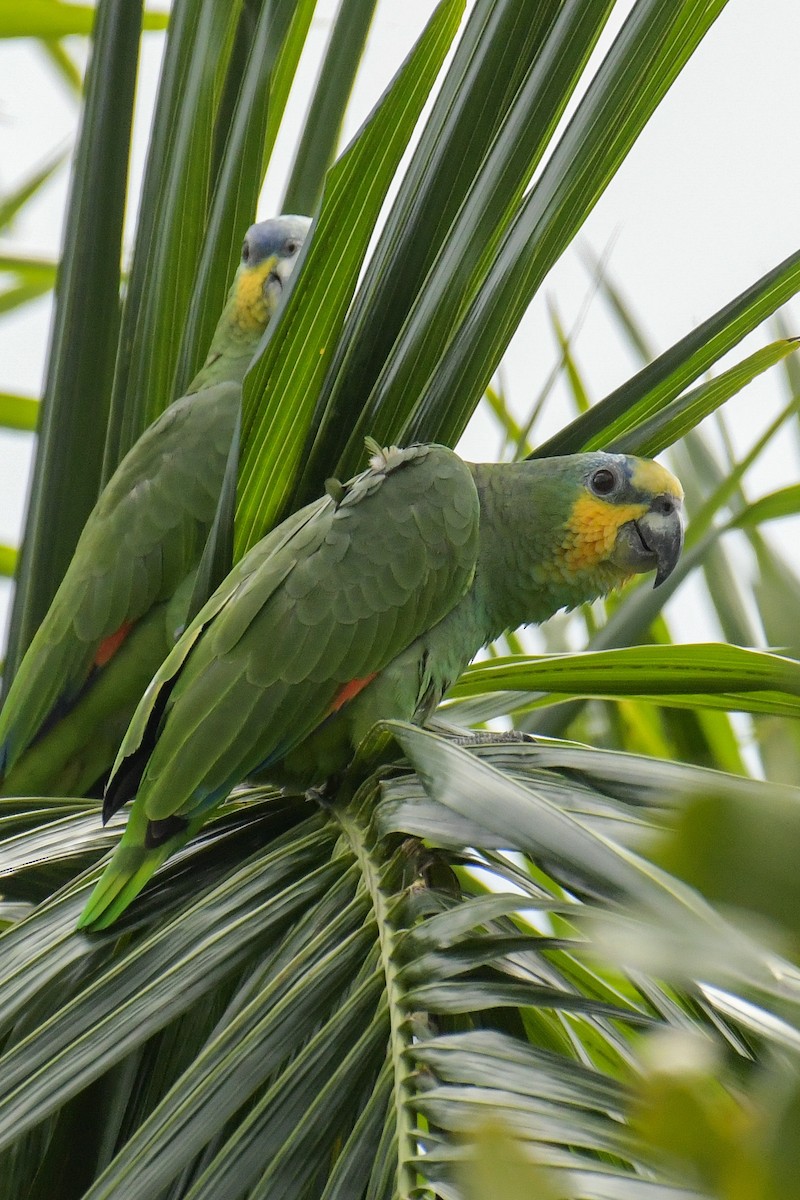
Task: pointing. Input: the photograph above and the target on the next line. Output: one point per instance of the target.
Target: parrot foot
(326, 793)
(510, 736)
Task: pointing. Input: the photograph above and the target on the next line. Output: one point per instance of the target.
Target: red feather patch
(110, 645)
(349, 691)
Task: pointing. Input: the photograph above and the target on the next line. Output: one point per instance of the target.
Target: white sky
(706, 202)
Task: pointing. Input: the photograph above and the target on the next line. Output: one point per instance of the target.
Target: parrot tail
(135, 860)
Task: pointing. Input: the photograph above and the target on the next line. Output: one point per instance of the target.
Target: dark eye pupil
(603, 482)
(246, 252)
(291, 247)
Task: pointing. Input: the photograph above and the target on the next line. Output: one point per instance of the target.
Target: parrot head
(626, 517)
(654, 538)
(269, 253)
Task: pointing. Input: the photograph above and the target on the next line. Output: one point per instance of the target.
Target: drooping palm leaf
(338, 936)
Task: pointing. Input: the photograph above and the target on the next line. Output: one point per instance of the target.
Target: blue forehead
(274, 237)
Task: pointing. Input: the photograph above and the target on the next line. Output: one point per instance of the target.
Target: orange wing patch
(349, 691)
(110, 645)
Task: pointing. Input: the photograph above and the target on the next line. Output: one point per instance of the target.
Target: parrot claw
(325, 793)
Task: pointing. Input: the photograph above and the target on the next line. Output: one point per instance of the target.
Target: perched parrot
(366, 605)
(127, 588)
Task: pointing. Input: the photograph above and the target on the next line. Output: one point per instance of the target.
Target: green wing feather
(142, 538)
(153, 699)
(332, 595)
(342, 597)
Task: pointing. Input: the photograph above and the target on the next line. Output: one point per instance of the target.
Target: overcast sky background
(707, 201)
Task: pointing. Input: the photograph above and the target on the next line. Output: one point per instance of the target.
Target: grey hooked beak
(653, 540)
(279, 275)
(272, 280)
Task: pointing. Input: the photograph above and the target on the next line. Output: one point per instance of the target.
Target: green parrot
(127, 588)
(367, 605)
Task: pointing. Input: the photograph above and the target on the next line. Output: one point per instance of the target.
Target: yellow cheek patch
(652, 478)
(592, 531)
(252, 310)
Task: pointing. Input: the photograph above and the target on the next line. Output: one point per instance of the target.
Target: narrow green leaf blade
(500, 43)
(173, 212)
(268, 1031)
(283, 73)
(325, 115)
(236, 189)
(461, 269)
(53, 19)
(12, 202)
(699, 675)
(16, 297)
(31, 270)
(217, 557)
(8, 561)
(135, 996)
(19, 412)
(281, 388)
(783, 503)
(680, 416)
(66, 66)
(651, 49)
(664, 379)
(69, 455)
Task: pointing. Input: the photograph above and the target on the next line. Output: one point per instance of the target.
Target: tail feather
(129, 870)
(115, 891)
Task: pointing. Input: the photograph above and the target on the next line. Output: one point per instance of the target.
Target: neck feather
(522, 577)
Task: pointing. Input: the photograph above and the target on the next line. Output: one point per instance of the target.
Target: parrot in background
(367, 605)
(129, 584)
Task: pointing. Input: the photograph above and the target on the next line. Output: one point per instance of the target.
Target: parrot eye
(246, 251)
(603, 482)
(292, 246)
